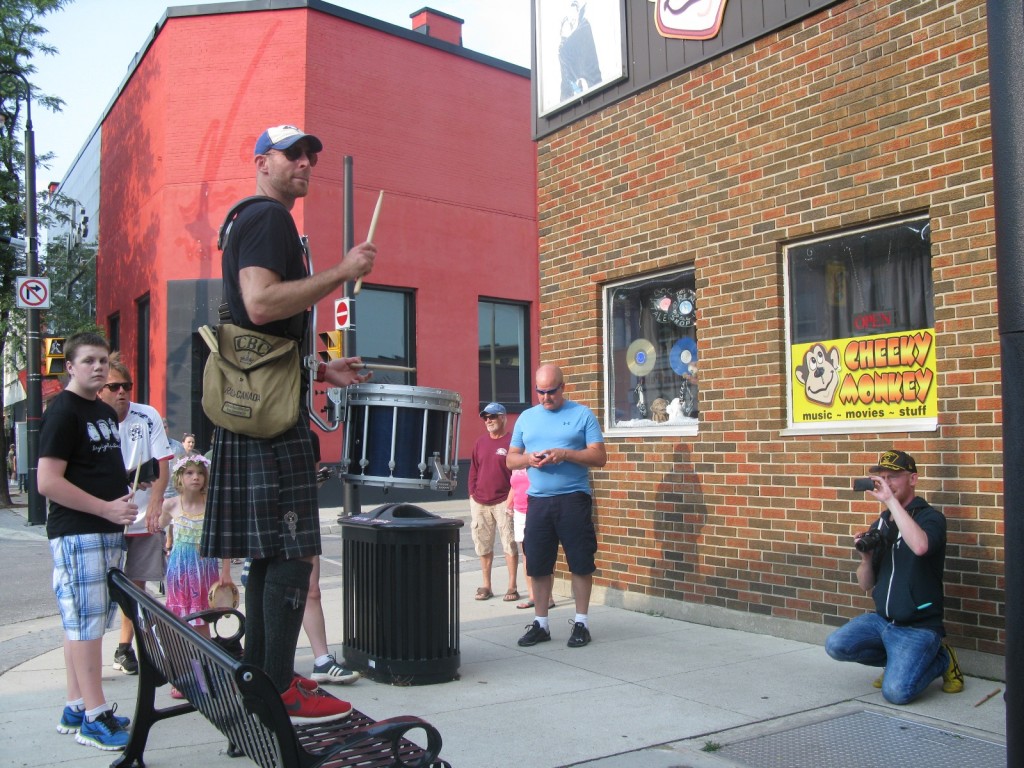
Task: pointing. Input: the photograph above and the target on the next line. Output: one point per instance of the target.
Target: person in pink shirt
(520, 482)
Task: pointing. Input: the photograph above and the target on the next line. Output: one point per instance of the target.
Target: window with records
(861, 330)
(385, 325)
(504, 354)
(652, 357)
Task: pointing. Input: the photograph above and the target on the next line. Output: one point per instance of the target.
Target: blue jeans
(912, 657)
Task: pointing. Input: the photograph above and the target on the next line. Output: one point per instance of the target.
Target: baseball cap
(895, 461)
(282, 137)
(493, 408)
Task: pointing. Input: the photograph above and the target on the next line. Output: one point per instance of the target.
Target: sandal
(483, 593)
(531, 604)
(511, 596)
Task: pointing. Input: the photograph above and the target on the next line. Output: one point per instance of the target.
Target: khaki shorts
(144, 557)
(487, 517)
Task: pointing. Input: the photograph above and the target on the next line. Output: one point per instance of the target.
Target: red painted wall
(446, 137)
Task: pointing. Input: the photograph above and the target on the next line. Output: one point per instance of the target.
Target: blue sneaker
(105, 732)
(71, 720)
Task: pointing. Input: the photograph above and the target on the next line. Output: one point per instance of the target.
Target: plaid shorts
(80, 566)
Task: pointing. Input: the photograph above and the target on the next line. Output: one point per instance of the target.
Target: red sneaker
(316, 706)
(305, 682)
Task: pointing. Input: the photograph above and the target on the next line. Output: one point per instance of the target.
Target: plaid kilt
(254, 483)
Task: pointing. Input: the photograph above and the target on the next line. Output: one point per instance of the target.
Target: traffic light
(332, 341)
(53, 356)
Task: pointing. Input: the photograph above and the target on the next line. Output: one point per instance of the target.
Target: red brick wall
(867, 111)
(447, 137)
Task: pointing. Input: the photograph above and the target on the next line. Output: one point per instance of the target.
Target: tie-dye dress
(189, 576)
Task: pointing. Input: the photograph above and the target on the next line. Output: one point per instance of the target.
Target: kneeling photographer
(902, 559)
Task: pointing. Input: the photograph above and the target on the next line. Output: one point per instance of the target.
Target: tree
(21, 39)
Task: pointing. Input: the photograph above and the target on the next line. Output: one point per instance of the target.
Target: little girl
(189, 576)
(516, 505)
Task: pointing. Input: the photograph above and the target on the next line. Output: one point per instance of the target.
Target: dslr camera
(869, 540)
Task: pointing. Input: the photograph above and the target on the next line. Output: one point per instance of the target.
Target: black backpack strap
(225, 228)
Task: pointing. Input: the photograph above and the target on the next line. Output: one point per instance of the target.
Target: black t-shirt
(84, 434)
(263, 235)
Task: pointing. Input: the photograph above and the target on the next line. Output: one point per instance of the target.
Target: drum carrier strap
(223, 311)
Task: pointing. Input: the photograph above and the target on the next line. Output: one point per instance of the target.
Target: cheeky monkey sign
(868, 378)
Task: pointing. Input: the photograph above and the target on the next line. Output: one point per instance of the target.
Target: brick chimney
(440, 26)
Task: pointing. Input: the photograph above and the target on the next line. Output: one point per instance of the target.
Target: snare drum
(401, 436)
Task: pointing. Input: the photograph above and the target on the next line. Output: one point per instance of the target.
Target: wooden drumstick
(381, 367)
(369, 236)
(135, 482)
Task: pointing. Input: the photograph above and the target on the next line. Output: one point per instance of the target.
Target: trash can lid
(401, 516)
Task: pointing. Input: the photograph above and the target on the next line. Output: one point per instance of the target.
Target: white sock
(78, 704)
(92, 714)
(581, 618)
(319, 661)
(542, 620)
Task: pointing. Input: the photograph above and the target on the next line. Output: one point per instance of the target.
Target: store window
(862, 330)
(385, 320)
(651, 355)
(504, 355)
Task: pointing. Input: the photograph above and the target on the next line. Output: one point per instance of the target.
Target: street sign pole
(34, 379)
(351, 503)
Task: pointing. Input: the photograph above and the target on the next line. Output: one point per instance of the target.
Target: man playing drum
(262, 502)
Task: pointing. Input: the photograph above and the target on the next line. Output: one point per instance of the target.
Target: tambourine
(223, 596)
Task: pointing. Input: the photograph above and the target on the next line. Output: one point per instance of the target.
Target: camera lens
(868, 540)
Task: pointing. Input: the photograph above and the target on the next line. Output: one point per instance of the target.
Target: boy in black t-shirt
(82, 475)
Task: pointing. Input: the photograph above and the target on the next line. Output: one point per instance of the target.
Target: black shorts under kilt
(254, 483)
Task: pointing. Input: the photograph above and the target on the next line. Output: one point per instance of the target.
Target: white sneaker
(332, 672)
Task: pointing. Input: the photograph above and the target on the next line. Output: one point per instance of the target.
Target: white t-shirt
(142, 438)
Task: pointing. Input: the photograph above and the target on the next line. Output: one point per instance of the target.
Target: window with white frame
(651, 356)
(861, 330)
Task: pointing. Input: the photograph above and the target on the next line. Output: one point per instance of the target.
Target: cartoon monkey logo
(819, 373)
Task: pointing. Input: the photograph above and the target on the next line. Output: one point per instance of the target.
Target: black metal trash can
(400, 565)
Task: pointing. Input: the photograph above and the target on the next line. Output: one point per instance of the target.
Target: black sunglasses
(118, 385)
(294, 153)
(489, 416)
(548, 391)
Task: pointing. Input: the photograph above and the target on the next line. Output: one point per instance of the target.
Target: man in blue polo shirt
(557, 442)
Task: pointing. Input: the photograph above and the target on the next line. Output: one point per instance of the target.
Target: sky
(98, 39)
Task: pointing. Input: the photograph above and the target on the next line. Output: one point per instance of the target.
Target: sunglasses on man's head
(118, 385)
(489, 416)
(548, 391)
(294, 153)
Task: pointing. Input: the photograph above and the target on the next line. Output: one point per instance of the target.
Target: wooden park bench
(243, 704)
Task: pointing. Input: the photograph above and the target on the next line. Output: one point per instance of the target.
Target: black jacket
(908, 589)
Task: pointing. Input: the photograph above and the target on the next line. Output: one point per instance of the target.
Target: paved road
(28, 625)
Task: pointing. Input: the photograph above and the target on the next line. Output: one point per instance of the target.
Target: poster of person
(579, 49)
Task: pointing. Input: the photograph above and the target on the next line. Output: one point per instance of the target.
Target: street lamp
(34, 378)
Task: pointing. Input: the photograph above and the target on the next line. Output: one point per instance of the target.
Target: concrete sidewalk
(648, 692)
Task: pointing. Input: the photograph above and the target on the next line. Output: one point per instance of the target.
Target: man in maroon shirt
(489, 488)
